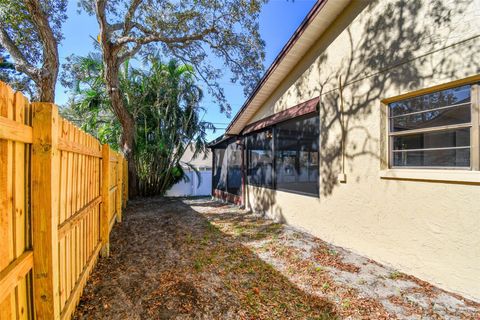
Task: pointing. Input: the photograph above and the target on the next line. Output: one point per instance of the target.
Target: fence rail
(61, 192)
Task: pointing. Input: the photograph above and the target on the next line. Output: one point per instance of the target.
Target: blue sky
(278, 20)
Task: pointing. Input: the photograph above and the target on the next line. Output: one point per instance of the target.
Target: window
(260, 159)
(296, 155)
(234, 172)
(227, 167)
(219, 169)
(294, 165)
(433, 130)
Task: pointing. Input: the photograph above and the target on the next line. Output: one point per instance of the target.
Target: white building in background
(199, 184)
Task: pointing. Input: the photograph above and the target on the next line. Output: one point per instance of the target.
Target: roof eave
(233, 127)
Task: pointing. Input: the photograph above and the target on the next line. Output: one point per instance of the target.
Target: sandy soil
(201, 259)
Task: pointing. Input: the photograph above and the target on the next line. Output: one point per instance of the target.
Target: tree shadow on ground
(168, 261)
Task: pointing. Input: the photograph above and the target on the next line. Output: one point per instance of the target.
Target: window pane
(435, 118)
(431, 101)
(260, 159)
(234, 162)
(433, 158)
(220, 170)
(442, 139)
(286, 167)
(296, 152)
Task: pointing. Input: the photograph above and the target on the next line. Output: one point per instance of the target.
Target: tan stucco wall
(424, 228)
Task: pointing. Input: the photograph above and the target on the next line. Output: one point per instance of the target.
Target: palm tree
(165, 102)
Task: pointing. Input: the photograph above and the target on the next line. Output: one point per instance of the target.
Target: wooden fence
(61, 192)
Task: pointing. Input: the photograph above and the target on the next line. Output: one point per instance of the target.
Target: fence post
(104, 218)
(45, 189)
(119, 187)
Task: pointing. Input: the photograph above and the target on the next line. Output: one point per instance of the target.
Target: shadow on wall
(264, 203)
(391, 51)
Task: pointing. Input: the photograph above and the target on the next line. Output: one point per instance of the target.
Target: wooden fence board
(61, 167)
(20, 195)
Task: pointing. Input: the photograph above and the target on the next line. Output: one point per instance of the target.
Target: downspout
(242, 146)
(342, 177)
(213, 171)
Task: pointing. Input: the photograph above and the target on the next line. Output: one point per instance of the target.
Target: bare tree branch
(129, 16)
(151, 36)
(129, 53)
(115, 27)
(21, 63)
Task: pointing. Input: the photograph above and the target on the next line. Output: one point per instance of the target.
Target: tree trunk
(47, 77)
(127, 140)
(46, 88)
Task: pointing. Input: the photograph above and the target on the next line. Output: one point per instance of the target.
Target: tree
(15, 79)
(168, 123)
(30, 31)
(164, 101)
(189, 30)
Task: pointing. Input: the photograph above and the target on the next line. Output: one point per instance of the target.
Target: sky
(278, 21)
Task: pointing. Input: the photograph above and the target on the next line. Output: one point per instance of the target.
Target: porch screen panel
(220, 170)
(260, 159)
(234, 172)
(296, 155)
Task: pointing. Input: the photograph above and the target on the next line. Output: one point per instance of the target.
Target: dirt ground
(201, 259)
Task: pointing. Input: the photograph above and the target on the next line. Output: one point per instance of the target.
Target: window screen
(296, 155)
(260, 159)
(431, 130)
(234, 173)
(219, 170)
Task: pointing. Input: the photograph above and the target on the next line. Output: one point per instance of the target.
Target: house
(198, 170)
(365, 132)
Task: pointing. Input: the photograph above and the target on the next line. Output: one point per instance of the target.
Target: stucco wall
(425, 228)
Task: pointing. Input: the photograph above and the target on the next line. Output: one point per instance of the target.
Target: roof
(203, 160)
(312, 27)
(301, 109)
(221, 141)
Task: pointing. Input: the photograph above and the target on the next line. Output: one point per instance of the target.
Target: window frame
(456, 174)
(297, 160)
(272, 129)
(215, 168)
(442, 128)
(247, 157)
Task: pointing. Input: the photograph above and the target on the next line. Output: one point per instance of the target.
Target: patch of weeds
(189, 239)
(259, 235)
(281, 251)
(212, 229)
(239, 230)
(394, 275)
(198, 264)
(291, 270)
(201, 262)
(274, 227)
(251, 299)
(319, 269)
(346, 303)
(332, 252)
(205, 240)
(325, 286)
(250, 269)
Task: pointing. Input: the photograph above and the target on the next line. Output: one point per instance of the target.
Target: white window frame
(449, 174)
